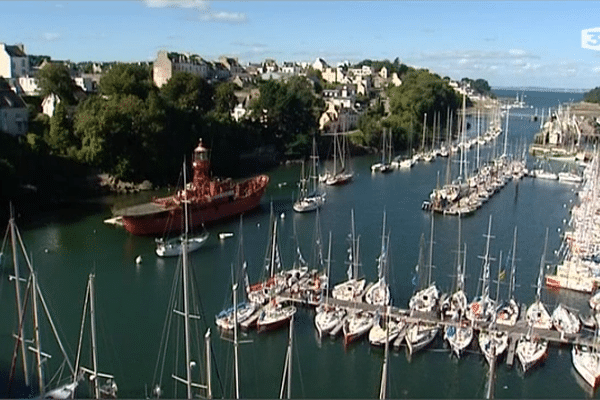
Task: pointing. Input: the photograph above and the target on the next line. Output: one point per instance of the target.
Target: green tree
(126, 79)
(288, 113)
(56, 78)
(60, 138)
(121, 135)
(225, 99)
(593, 96)
(190, 92)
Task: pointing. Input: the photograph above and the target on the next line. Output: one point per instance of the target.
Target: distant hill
(541, 89)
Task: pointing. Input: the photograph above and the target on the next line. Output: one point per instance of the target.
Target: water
(132, 300)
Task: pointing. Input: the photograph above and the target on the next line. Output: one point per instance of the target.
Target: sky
(509, 43)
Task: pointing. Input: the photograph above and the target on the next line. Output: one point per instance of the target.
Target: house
(333, 75)
(383, 72)
(254, 69)
(320, 64)
(338, 119)
(290, 68)
(242, 80)
(342, 96)
(13, 61)
(244, 99)
(232, 65)
(28, 85)
(396, 81)
(167, 63)
(49, 104)
(14, 114)
(269, 65)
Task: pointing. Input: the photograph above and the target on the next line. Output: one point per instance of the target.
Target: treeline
(593, 96)
(135, 131)
(421, 93)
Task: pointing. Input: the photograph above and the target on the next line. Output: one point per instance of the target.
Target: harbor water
(132, 299)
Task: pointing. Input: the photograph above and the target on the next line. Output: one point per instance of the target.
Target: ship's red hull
(206, 213)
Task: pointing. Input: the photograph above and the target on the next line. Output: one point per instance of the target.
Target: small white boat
(327, 318)
(569, 177)
(493, 344)
(459, 336)
(587, 363)
(420, 335)
(538, 316)
(531, 351)
(225, 319)
(508, 314)
(356, 325)
(225, 235)
(173, 247)
(273, 316)
(425, 300)
(379, 333)
(565, 321)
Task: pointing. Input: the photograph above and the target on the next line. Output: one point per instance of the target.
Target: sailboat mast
(485, 292)
(506, 132)
(36, 333)
(459, 276)
(382, 256)
(383, 388)
(93, 329)
(430, 251)
(511, 285)
(21, 339)
(208, 367)
(424, 130)
(328, 269)
(186, 311)
(235, 342)
(538, 293)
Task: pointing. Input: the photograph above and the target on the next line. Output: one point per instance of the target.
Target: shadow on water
(18, 389)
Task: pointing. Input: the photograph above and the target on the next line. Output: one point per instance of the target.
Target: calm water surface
(132, 300)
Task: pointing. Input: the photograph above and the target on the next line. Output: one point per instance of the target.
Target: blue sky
(509, 43)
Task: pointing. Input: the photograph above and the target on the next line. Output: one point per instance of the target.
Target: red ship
(209, 200)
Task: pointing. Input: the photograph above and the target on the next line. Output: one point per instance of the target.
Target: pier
(519, 330)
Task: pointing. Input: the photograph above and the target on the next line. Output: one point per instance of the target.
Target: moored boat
(587, 363)
(531, 351)
(210, 200)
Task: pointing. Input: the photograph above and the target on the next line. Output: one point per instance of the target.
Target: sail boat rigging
(310, 197)
(182, 294)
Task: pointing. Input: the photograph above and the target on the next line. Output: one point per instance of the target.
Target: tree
(190, 92)
(56, 78)
(225, 99)
(593, 96)
(60, 138)
(126, 79)
(288, 112)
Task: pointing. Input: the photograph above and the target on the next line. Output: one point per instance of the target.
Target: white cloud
(223, 16)
(596, 70)
(517, 52)
(197, 4)
(51, 36)
(203, 7)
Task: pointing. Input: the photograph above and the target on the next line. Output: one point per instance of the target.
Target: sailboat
(483, 308)
(385, 165)
(426, 299)
(565, 321)
(537, 314)
(531, 350)
(33, 294)
(341, 173)
(455, 306)
(109, 388)
(182, 304)
(328, 316)
(173, 247)
(508, 313)
(586, 361)
(459, 334)
(419, 335)
(310, 198)
(275, 282)
(492, 341)
(379, 292)
(274, 314)
(357, 324)
(352, 289)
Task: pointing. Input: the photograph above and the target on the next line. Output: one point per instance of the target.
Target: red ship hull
(167, 219)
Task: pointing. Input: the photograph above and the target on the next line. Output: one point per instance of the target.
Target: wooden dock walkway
(515, 332)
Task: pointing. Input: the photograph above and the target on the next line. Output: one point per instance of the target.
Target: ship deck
(142, 209)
